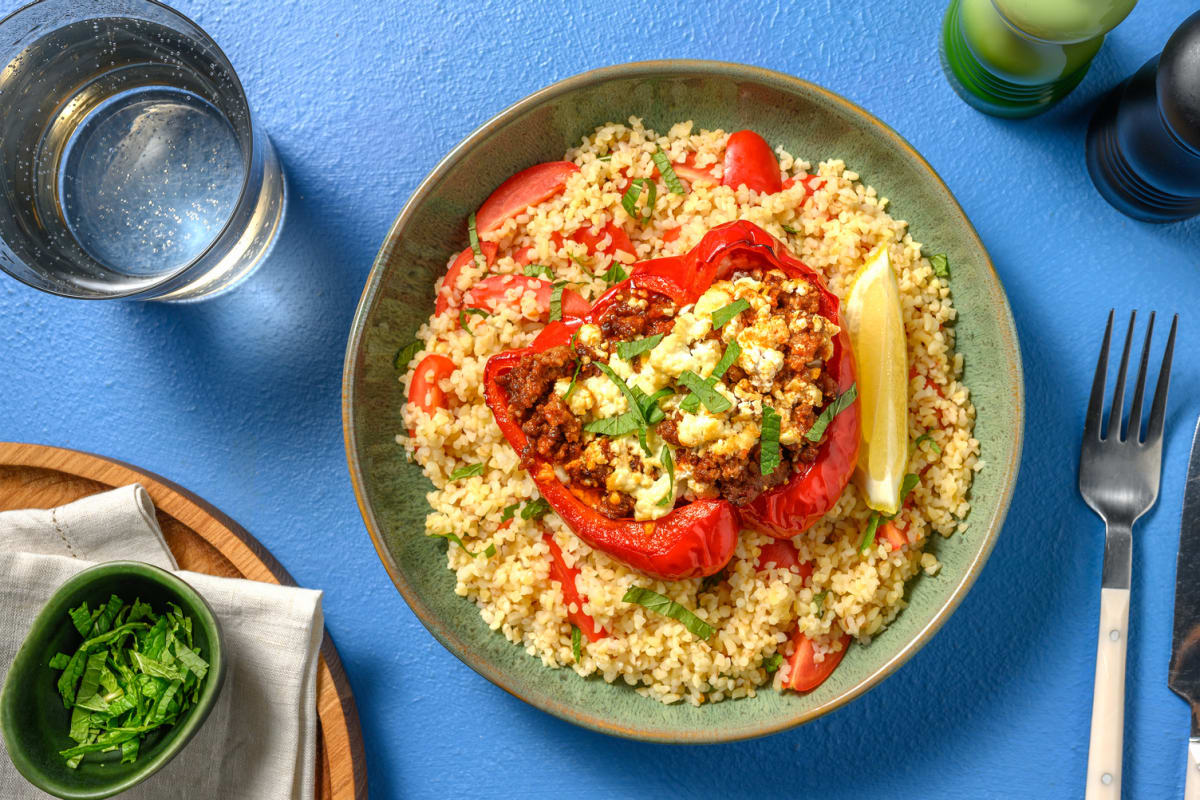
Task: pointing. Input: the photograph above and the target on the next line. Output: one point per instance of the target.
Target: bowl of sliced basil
(117, 673)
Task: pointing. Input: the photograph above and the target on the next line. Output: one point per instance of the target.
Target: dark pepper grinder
(1143, 144)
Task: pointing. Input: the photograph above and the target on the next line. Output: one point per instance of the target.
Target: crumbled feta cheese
(698, 429)
(761, 365)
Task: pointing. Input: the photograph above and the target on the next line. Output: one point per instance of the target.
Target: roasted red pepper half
(697, 538)
(811, 491)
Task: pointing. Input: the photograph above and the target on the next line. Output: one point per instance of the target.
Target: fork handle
(1108, 698)
(1191, 785)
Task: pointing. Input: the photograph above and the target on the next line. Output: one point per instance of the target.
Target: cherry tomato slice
(424, 392)
(688, 171)
(592, 239)
(559, 571)
(527, 188)
(749, 160)
(449, 296)
(890, 533)
(782, 554)
(491, 293)
(524, 256)
(805, 674)
(811, 183)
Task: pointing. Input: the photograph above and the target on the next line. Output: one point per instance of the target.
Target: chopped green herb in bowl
(118, 671)
(134, 673)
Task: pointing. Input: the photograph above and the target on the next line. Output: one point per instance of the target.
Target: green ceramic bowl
(811, 123)
(32, 717)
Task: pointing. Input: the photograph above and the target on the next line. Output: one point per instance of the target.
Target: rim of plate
(451, 642)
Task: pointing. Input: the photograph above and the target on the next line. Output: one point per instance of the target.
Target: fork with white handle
(1119, 472)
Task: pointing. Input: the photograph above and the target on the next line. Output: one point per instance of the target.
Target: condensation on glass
(130, 165)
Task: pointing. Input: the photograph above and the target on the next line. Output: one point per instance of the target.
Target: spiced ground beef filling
(553, 432)
(775, 349)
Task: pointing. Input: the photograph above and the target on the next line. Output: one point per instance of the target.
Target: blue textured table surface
(238, 398)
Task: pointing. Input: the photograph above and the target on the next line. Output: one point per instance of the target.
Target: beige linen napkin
(259, 742)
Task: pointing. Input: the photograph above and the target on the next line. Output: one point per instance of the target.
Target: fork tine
(1133, 430)
(1091, 425)
(1158, 411)
(1118, 404)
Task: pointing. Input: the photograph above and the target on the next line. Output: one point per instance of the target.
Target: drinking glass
(130, 165)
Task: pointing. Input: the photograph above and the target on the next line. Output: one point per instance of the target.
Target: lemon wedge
(876, 326)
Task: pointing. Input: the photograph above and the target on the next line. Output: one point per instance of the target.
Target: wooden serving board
(202, 539)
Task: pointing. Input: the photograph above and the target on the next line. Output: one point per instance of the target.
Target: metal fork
(1118, 477)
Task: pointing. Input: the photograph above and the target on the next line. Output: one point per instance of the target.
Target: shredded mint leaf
(615, 274)
(473, 235)
(940, 264)
(769, 455)
(140, 610)
(620, 425)
(773, 663)
(728, 359)
(668, 463)
(908, 484)
(637, 187)
(195, 664)
(650, 409)
(534, 270)
(819, 603)
(137, 672)
(70, 677)
(156, 668)
(790, 230)
(839, 404)
(82, 619)
(624, 387)
(463, 313)
(926, 437)
(576, 643)
(574, 378)
(631, 350)
(487, 553)
(642, 440)
(109, 613)
(713, 400)
(467, 471)
(668, 172)
(732, 351)
(868, 537)
(725, 313)
(661, 604)
(535, 509)
(509, 512)
(406, 354)
(81, 724)
(556, 303)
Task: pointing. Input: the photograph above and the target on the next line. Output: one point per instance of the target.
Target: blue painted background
(238, 398)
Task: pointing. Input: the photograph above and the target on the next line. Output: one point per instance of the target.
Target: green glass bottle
(1016, 58)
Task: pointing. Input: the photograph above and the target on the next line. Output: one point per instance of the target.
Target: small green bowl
(32, 717)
